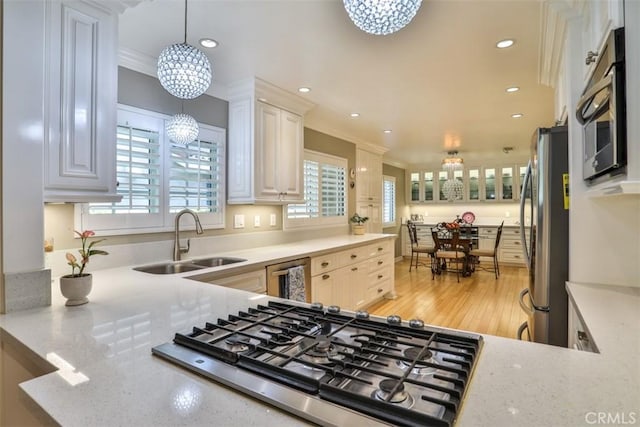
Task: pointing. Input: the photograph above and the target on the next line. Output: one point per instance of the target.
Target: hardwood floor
(479, 303)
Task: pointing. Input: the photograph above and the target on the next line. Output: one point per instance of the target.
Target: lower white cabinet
(510, 250)
(578, 335)
(353, 278)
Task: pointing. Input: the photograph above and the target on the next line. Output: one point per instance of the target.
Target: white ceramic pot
(358, 229)
(76, 289)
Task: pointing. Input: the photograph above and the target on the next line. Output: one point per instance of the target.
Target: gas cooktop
(334, 368)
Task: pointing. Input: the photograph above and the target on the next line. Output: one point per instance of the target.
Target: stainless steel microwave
(602, 113)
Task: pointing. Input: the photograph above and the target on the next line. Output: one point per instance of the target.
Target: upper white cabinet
(80, 102)
(369, 188)
(488, 184)
(266, 144)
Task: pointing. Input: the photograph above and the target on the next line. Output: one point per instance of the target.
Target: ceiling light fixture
(354, 115)
(502, 44)
(387, 131)
(183, 70)
(513, 89)
(304, 89)
(453, 189)
(381, 17)
(182, 129)
(208, 43)
(453, 162)
(517, 115)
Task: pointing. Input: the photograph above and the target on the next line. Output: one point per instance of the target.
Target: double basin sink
(183, 267)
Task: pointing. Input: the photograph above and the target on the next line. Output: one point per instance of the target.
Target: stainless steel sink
(169, 268)
(216, 261)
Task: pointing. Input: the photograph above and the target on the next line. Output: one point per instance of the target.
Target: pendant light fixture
(453, 162)
(381, 17)
(182, 128)
(184, 70)
(452, 189)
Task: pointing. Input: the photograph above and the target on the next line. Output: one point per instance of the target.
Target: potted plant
(77, 285)
(357, 222)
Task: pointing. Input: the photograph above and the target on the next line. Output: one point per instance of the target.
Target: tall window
(157, 178)
(388, 201)
(324, 192)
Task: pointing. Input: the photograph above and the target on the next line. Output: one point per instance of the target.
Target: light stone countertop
(118, 382)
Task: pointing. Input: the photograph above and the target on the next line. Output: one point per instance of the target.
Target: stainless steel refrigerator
(544, 230)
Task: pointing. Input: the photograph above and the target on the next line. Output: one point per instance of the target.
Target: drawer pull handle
(354, 269)
(325, 276)
(380, 262)
(325, 264)
(380, 276)
(354, 256)
(380, 249)
(380, 290)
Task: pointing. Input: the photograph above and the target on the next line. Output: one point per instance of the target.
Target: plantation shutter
(310, 208)
(333, 190)
(388, 200)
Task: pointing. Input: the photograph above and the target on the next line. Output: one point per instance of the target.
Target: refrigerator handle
(523, 305)
(523, 240)
(521, 329)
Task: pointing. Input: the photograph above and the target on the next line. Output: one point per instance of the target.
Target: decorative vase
(76, 289)
(358, 229)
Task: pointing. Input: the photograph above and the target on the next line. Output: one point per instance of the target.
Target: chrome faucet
(177, 249)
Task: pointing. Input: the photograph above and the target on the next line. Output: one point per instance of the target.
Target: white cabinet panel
(266, 144)
(80, 109)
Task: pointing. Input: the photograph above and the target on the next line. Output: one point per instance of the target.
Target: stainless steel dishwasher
(278, 278)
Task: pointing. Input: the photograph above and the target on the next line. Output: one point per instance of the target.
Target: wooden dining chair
(450, 252)
(416, 248)
(475, 254)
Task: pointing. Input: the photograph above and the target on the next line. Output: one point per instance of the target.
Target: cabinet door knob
(354, 256)
(380, 290)
(325, 276)
(325, 264)
(380, 262)
(380, 276)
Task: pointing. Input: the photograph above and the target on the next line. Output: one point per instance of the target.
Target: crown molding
(117, 6)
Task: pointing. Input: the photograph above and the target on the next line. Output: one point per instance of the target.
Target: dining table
(465, 245)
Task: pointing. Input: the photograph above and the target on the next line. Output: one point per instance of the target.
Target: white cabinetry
(266, 144)
(578, 335)
(369, 188)
(80, 102)
(599, 18)
(353, 278)
(510, 249)
(254, 281)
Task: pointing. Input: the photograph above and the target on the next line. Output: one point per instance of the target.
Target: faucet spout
(177, 249)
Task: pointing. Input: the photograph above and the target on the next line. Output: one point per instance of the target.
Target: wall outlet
(272, 220)
(238, 221)
(256, 221)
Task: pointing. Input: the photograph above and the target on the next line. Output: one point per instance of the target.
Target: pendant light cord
(185, 21)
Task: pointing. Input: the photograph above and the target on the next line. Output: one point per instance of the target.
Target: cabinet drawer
(379, 248)
(513, 233)
(511, 257)
(351, 256)
(323, 263)
(380, 262)
(488, 232)
(510, 244)
(375, 292)
(379, 276)
(255, 281)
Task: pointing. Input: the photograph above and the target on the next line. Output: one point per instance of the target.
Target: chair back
(413, 233)
(455, 238)
(436, 240)
(498, 234)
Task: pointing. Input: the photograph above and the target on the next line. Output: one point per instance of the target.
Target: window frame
(388, 178)
(320, 221)
(120, 224)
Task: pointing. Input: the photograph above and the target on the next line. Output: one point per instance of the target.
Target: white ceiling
(439, 83)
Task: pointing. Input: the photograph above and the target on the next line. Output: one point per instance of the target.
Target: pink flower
(85, 252)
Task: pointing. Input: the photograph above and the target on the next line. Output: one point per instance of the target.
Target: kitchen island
(109, 377)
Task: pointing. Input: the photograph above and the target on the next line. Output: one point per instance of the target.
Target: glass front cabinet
(487, 184)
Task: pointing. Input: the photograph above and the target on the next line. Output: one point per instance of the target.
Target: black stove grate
(402, 375)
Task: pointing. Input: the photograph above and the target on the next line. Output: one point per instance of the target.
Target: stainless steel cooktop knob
(416, 324)
(317, 306)
(394, 319)
(362, 314)
(333, 309)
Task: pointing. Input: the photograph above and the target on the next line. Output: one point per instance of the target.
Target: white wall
(604, 232)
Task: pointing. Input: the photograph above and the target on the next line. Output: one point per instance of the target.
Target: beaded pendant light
(381, 17)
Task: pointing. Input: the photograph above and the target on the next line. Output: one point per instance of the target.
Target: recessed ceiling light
(304, 89)
(262, 99)
(513, 89)
(387, 131)
(210, 43)
(355, 115)
(504, 43)
(517, 115)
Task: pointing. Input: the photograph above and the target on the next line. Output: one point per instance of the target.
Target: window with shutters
(388, 201)
(157, 178)
(325, 193)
